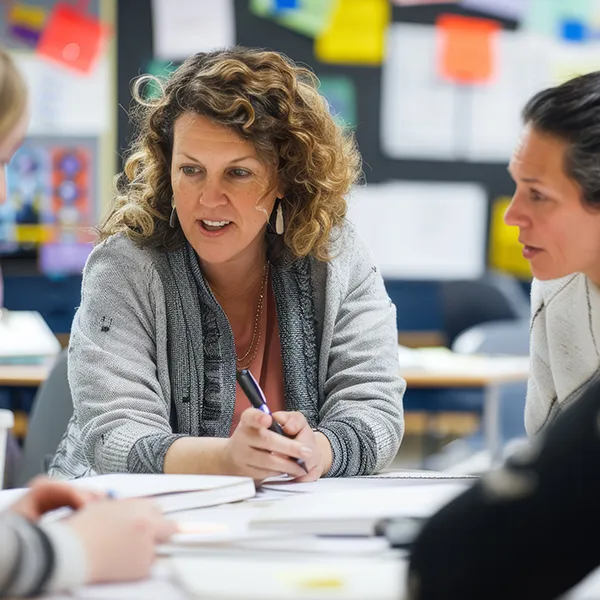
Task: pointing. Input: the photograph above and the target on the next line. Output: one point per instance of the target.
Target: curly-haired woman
(227, 249)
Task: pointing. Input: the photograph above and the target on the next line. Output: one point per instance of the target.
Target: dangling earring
(279, 224)
(173, 219)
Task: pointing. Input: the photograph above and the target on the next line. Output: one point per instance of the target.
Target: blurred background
(432, 91)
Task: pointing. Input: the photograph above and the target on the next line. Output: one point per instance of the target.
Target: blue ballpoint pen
(257, 398)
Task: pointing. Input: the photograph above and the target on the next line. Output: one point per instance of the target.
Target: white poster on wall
(422, 230)
(63, 102)
(419, 111)
(426, 117)
(184, 27)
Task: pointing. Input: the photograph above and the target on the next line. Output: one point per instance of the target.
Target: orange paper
(466, 50)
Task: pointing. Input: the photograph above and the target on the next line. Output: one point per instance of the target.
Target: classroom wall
(418, 300)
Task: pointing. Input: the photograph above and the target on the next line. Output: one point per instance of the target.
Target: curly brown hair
(266, 99)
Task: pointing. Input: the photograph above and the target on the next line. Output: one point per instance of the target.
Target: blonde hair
(265, 98)
(13, 93)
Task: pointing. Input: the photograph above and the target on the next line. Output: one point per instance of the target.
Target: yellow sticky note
(505, 251)
(27, 16)
(356, 33)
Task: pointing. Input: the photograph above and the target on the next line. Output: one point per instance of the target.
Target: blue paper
(285, 5)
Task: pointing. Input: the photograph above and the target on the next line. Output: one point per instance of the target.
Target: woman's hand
(295, 425)
(120, 537)
(255, 451)
(45, 495)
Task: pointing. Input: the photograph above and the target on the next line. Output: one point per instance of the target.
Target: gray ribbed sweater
(339, 349)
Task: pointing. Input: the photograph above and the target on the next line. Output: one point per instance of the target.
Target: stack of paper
(356, 513)
(173, 492)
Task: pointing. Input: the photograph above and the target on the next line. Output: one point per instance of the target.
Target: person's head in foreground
(103, 540)
(556, 168)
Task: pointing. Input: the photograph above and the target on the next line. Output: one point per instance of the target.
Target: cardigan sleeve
(123, 413)
(362, 415)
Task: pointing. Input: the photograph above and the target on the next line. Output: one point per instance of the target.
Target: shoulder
(119, 261)
(121, 256)
(544, 292)
(350, 255)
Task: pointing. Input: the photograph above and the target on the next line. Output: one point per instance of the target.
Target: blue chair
(502, 338)
(493, 297)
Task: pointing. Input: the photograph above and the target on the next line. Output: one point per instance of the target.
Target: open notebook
(173, 492)
(355, 513)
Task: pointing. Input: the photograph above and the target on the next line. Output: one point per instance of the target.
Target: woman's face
(8, 146)
(221, 190)
(560, 235)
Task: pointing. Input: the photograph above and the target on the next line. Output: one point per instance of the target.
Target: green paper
(546, 16)
(340, 93)
(310, 18)
(161, 69)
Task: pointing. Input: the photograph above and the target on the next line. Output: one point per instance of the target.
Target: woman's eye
(187, 170)
(240, 173)
(535, 195)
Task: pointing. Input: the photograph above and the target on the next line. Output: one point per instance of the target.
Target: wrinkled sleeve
(362, 415)
(122, 411)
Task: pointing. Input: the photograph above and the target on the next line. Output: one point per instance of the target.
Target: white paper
(425, 117)
(124, 485)
(420, 113)
(422, 230)
(495, 117)
(509, 9)
(411, 501)
(65, 103)
(184, 27)
(351, 484)
(293, 577)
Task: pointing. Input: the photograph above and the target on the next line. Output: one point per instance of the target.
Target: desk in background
(488, 374)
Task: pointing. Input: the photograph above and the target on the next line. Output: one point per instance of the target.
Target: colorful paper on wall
(309, 17)
(421, 2)
(286, 4)
(340, 93)
(356, 33)
(73, 39)
(555, 18)
(161, 69)
(505, 251)
(68, 216)
(25, 22)
(507, 9)
(467, 49)
(29, 174)
(424, 116)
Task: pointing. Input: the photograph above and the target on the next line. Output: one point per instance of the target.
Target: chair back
(50, 415)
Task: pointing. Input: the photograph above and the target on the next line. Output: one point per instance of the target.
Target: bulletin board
(135, 55)
(62, 172)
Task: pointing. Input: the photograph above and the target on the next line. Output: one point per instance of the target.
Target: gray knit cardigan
(338, 337)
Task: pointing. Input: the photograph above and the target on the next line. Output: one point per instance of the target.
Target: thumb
(255, 419)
